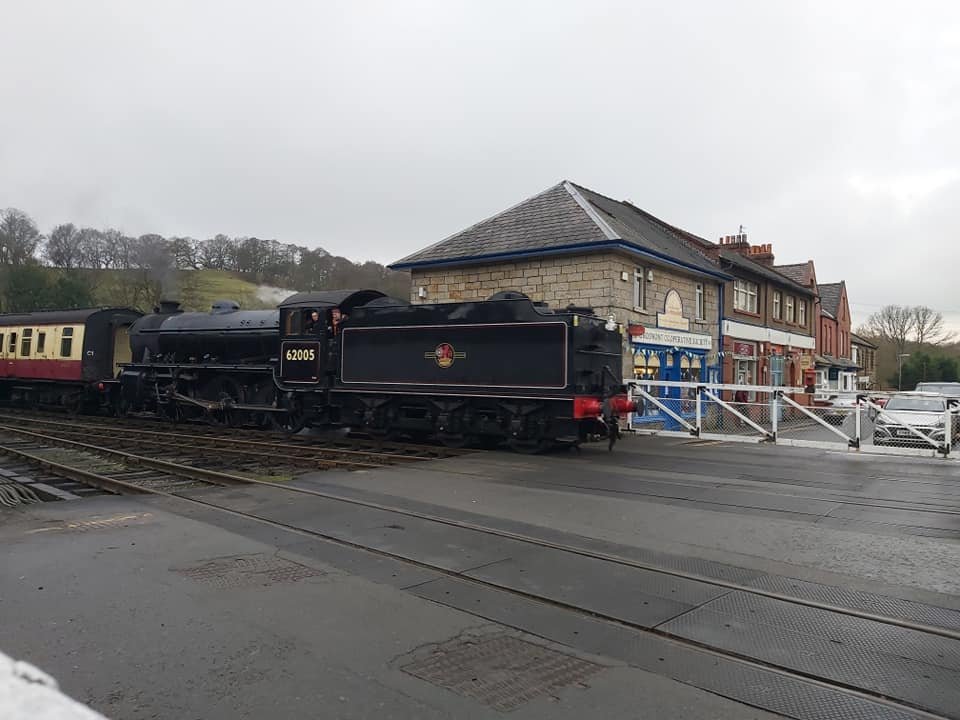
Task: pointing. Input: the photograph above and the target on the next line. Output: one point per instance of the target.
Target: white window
(699, 307)
(802, 312)
(791, 312)
(66, 342)
(777, 305)
(640, 288)
(26, 341)
(745, 296)
(853, 353)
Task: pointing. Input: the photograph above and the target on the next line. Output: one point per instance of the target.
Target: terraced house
(570, 245)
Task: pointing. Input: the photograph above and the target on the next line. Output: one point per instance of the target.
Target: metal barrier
(786, 416)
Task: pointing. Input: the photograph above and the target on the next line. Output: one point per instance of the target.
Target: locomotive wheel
(293, 420)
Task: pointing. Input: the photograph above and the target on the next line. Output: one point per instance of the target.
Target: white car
(924, 412)
(839, 408)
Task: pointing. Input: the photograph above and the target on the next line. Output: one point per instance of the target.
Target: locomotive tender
(505, 369)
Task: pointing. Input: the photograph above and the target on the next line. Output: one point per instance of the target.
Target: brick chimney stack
(761, 254)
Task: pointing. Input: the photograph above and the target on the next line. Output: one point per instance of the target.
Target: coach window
(12, 347)
(1, 343)
(66, 342)
(25, 342)
(41, 342)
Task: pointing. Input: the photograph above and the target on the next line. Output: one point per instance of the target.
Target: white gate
(783, 416)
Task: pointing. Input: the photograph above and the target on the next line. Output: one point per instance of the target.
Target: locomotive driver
(313, 323)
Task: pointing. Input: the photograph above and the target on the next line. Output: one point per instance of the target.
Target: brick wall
(594, 279)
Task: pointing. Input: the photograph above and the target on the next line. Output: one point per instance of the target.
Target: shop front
(755, 355)
(670, 355)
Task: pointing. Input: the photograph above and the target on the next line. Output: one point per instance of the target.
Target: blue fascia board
(564, 250)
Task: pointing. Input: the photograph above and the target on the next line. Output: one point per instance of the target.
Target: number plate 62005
(300, 361)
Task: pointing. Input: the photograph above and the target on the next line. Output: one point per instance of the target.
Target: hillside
(195, 289)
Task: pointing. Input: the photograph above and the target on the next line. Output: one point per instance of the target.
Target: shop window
(26, 341)
(66, 342)
(791, 309)
(640, 288)
(699, 304)
(41, 342)
(777, 305)
(802, 312)
(745, 296)
(646, 368)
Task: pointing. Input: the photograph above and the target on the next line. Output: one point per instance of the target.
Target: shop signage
(672, 315)
(742, 348)
(675, 338)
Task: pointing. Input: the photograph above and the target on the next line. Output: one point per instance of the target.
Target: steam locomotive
(473, 373)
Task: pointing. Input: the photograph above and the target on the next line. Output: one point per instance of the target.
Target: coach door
(121, 348)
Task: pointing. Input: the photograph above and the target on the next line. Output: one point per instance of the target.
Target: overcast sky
(831, 130)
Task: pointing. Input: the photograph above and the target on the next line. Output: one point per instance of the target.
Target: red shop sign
(742, 348)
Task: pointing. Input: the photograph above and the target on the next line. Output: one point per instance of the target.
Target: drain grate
(247, 571)
(500, 671)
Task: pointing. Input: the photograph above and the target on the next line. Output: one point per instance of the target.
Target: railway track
(129, 472)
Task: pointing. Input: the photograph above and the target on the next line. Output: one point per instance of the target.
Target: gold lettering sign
(672, 315)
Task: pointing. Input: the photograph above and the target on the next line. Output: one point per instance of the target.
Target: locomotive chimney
(169, 307)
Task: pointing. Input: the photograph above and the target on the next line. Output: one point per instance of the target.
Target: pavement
(152, 608)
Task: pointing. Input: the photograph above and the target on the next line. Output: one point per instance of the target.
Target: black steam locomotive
(478, 373)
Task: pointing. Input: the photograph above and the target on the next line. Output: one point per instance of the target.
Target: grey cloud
(373, 129)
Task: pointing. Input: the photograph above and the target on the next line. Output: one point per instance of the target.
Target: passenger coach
(67, 358)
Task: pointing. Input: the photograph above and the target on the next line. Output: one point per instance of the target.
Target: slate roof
(859, 340)
(796, 272)
(830, 294)
(565, 217)
(771, 274)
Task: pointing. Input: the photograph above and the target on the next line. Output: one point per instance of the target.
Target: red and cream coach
(63, 357)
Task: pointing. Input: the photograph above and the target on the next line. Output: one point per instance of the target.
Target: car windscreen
(921, 404)
(942, 388)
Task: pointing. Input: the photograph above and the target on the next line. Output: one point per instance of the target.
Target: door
(121, 348)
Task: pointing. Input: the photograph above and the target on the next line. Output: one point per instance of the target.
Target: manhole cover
(248, 570)
(500, 671)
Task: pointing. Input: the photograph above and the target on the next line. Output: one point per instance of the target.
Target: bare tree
(63, 246)
(215, 253)
(928, 326)
(185, 252)
(92, 249)
(894, 324)
(19, 237)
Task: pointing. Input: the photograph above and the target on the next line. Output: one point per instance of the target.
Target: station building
(571, 246)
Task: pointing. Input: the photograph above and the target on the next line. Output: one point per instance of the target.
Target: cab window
(66, 342)
(41, 341)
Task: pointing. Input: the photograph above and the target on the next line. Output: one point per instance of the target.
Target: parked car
(925, 412)
(950, 390)
(839, 407)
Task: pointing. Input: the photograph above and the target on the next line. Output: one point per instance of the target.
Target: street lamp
(900, 357)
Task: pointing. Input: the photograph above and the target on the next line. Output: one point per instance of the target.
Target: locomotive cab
(310, 323)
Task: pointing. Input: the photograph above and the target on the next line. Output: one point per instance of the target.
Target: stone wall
(596, 280)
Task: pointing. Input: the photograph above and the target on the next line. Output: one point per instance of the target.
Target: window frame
(777, 305)
(12, 344)
(41, 341)
(26, 342)
(791, 308)
(749, 291)
(66, 340)
(699, 304)
(801, 312)
(640, 288)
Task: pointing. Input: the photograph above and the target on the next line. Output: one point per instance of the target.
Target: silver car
(923, 412)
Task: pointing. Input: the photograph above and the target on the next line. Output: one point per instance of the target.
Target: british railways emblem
(444, 355)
